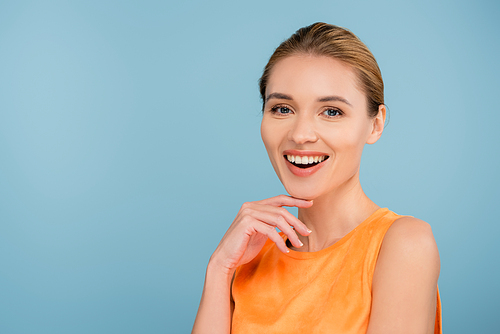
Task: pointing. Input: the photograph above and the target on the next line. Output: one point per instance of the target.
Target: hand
(253, 225)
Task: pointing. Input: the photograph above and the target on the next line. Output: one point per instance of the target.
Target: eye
(332, 112)
(281, 110)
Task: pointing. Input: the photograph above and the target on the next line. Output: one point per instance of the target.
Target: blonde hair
(322, 39)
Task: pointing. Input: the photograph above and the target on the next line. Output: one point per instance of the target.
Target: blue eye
(332, 112)
(281, 110)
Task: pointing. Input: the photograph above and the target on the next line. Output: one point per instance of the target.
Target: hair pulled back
(322, 39)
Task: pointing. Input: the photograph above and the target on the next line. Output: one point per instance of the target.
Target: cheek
(348, 140)
(272, 139)
(265, 133)
(273, 131)
(269, 136)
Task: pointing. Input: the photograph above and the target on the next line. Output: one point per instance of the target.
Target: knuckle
(246, 211)
(264, 229)
(278, 219)
(271, 228)
(246, 219)
(245, 205)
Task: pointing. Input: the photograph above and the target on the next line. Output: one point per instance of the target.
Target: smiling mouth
(305, 161)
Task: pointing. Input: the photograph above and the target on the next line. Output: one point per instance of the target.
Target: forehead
(306, 76)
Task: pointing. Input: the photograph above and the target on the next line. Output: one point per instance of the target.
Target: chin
(302, 193)
(301, 188)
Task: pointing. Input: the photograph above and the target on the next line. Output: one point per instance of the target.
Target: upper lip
(304, 153)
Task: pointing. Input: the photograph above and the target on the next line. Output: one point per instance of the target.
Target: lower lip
(303, 171)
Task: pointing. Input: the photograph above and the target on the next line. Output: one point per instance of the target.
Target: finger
(272, 234)
(289, 232)
(284, 200)
(277, 220)
(289, 218)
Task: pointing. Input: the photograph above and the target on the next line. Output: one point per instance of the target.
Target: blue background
(129, 138)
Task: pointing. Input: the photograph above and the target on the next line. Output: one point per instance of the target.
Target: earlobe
(377, 125)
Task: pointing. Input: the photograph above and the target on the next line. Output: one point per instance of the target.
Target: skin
(301, 115)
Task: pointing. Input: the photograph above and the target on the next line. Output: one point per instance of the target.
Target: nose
(303, 131)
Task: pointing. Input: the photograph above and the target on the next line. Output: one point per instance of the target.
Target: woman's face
(315, 125)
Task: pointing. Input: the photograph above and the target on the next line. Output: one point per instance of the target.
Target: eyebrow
(282, 96)
(334, 98)
(278, 96)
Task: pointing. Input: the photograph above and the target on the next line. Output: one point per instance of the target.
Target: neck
(335, 214)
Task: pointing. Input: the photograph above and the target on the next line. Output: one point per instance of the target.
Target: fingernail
(308, 230)
(301, 244)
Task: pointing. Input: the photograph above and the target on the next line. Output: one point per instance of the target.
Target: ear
(377, 125)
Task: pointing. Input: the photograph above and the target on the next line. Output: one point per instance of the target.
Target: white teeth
(305, 160)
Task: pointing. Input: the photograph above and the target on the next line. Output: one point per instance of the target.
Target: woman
(345, 265)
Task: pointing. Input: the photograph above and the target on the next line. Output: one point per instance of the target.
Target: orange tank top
(328, 291)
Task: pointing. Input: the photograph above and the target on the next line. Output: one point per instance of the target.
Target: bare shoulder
(411, 240)
(404, 286)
